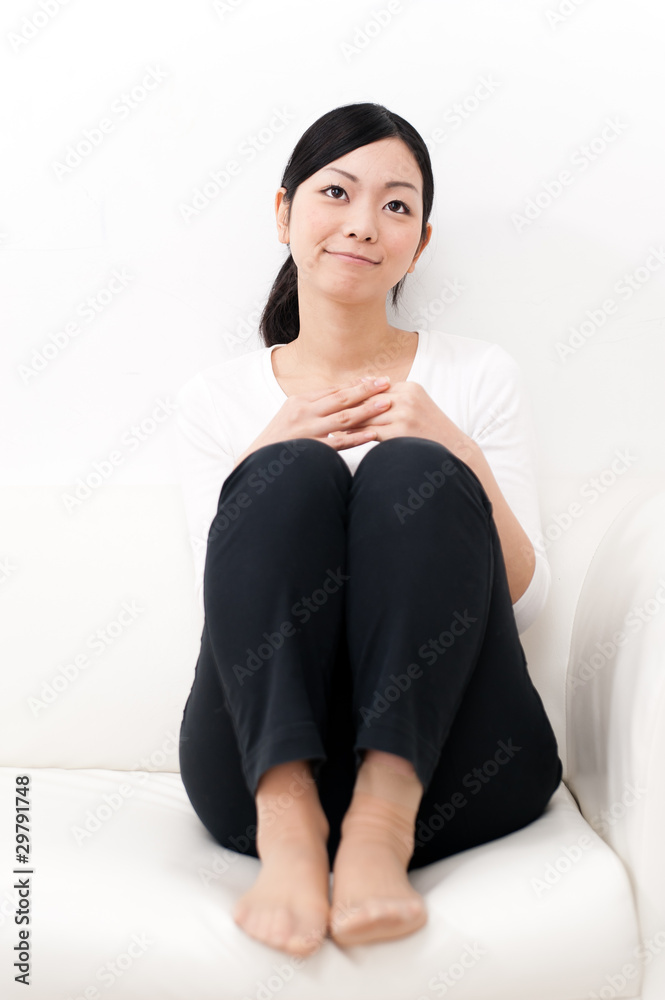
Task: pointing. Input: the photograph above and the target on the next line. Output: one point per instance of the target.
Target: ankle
(378, 823)
(390, 780)
(288, 804)
(390, 760)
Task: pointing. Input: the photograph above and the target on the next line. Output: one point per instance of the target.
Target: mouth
(354, 257)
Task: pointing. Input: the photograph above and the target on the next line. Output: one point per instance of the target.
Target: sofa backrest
(100, 628)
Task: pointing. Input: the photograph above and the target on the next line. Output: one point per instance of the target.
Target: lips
(356, 256)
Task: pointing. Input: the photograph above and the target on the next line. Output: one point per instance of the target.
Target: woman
(361, 701)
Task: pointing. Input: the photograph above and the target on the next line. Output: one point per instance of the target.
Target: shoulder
(225, 377)
(472, 359)
(467, 350)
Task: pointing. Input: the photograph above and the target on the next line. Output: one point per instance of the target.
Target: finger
(316, 394)
(360, 385)
(379, 419)
(352, 419)
(340, 440)
(348, 397)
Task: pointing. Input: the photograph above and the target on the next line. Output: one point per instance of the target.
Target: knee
(297, 452)
(299, 470)
(411, 460)
(406, 450)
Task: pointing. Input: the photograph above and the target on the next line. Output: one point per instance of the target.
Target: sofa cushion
(130, 891)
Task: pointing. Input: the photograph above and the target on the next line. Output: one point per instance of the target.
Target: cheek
(401, 256)
(414, 240)
(316, 222)
(310, 232)
(402, 244)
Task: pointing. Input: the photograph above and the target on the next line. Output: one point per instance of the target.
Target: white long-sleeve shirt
(476, 383)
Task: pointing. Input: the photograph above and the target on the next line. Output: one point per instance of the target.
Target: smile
(352, 259)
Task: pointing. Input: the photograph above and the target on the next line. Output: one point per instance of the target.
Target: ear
(281, 212)
(426, 239)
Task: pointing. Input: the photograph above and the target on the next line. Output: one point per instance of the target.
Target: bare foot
(373, 899)
(288, 906)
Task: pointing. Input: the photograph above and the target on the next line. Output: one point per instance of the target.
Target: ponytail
(280, 320)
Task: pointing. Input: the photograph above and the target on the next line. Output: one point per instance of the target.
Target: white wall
(221, 70)
(538, 81)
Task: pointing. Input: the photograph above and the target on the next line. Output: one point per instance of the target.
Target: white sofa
(130, 896)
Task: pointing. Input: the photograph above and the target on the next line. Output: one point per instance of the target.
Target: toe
(305, 943)
(240, 911)
(280, 927)
(261, 926)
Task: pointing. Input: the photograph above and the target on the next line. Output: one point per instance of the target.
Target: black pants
(346, 612)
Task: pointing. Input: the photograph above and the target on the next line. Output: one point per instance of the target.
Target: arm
(518, 552)
(500, 448)
(504, 456)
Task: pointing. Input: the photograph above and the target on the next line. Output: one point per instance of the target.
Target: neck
(338, 339)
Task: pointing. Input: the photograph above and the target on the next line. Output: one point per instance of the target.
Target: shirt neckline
(279, 393)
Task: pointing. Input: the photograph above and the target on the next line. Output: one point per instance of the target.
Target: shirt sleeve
(204, 461)
(503, 427)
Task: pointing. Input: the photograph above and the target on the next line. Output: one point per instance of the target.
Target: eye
(406, 210)
(335, 187)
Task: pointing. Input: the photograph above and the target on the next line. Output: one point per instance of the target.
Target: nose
(360, 222)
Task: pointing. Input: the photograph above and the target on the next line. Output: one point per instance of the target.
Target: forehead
(381, 161)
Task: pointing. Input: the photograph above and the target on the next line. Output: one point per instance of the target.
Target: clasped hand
(353, 413)
(403, 408)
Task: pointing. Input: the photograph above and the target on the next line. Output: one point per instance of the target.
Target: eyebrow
(388, 184)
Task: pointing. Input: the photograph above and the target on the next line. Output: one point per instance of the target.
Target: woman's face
(376, 213)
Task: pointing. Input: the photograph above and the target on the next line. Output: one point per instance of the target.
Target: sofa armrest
(615, 709)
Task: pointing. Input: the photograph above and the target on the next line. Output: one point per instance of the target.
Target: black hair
(333, 135)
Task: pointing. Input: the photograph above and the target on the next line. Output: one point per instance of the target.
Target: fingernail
(381, 381)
